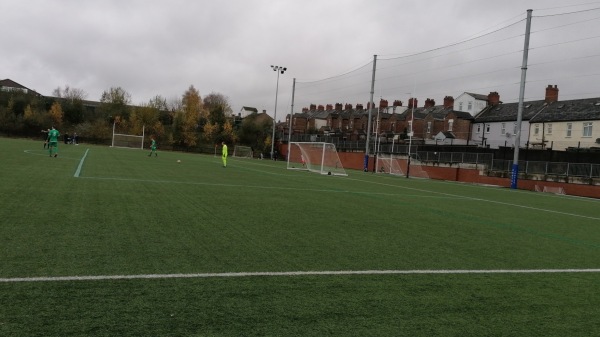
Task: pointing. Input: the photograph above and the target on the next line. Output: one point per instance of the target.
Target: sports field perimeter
(104, 241)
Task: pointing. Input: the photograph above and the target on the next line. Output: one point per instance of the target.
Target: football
(179, 161)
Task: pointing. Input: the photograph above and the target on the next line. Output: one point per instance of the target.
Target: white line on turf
(295, 273)
(78, 171)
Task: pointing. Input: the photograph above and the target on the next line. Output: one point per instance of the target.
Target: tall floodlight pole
(291, 118)
(410, 133)
(366, 163)
(279, 70)
(515, 166)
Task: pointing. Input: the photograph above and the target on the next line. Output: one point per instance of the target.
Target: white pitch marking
(295, 273)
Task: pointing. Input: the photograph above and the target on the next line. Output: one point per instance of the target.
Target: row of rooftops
(548, 110)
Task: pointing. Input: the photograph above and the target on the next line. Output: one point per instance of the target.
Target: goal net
(550, 189)
(390, 164)
(126, 140)
(415, 167)
(242, 151)
(315, 157)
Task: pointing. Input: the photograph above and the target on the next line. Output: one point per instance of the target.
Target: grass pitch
(109, 242)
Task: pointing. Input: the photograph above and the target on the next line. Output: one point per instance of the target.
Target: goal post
(240, 151)
(316, 157)
(390, 164)
(127, 140)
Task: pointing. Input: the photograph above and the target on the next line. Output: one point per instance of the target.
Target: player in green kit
(224, 152)
(53, 135)
(153, 148)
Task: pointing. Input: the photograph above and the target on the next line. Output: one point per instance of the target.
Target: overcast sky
(155, 47)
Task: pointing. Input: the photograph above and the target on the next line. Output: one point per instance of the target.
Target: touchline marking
(295, 273)
(78, 171)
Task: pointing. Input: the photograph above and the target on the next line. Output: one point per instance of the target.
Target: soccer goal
(315, 157)
(390, 164)
(126, 140)
(242, 152)
(550, 189)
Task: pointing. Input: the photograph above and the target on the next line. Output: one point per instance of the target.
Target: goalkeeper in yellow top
(53, 135)
(224, 152)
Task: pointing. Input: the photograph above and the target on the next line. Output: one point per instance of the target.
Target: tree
(256, 133)
(115, 102)
(192, 111)
(228, 135)
(56, 114)
(218, 102)
(72, 103)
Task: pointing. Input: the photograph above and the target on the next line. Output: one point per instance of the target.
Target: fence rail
(584, 170)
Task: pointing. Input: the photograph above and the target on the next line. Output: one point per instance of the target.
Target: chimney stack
(429, 103)
(348, 106)
(313, 107)
(359, 106)
(329, 107)
(383, 103)
(448, 102)
(412, 103)
(338, 106)
(397, 103)
(493, 98)
(320, 108)
(551, 94)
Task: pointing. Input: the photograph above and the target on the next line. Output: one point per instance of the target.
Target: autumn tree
(186, 121)
(72, 103)
(56, 114)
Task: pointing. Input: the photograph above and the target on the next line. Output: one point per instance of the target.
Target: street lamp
(279, 70)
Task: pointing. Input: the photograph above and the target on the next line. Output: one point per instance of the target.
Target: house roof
(248, 108)
(572, 110)
(508, 111)
(478, 96)
(8, 83)
(445, 135)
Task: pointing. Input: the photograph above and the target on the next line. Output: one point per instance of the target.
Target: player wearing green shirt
(224, 152)
(153, 148)
(53, 135)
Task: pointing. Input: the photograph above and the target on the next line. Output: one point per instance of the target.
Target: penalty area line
(294, 273)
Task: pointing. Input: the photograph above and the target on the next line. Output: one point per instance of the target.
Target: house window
(569, 129)
(514, 128)
(503, 129)
(351, 124)
(450, 124)
(470, 106)
(410, 126)
(428, 127)
(587, 129)
(487, 128)
(536, 129)
(478, 128)
(549, 129)
(460, 106)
